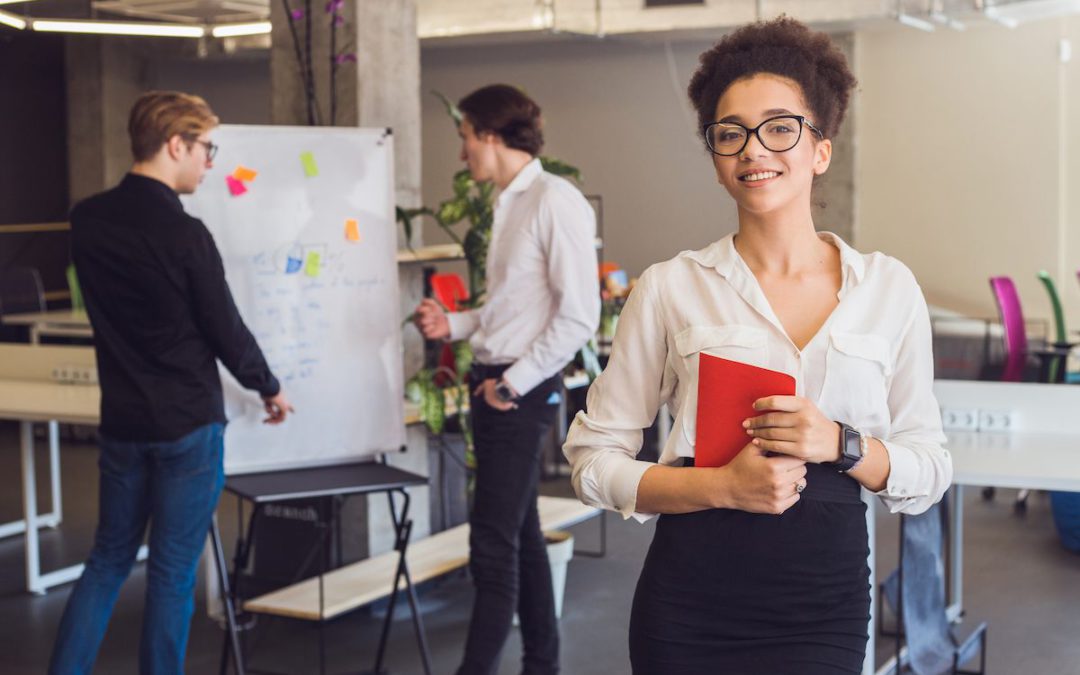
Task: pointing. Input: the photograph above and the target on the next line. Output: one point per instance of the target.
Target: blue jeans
(175, 486)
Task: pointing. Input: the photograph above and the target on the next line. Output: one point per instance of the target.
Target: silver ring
(799, 487)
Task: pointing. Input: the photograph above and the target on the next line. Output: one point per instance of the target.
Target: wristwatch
(852, 448)
(504, 393)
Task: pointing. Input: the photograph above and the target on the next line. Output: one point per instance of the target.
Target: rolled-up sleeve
(921, 468)
(604, 440)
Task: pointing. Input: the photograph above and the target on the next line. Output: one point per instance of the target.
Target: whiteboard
(320, 293)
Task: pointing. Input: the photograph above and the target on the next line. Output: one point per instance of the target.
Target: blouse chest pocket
(858, 370)
(737, 343)
(745, 344)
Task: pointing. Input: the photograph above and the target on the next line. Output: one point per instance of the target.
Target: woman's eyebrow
(767, 113)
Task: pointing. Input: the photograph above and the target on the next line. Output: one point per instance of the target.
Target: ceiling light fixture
(9, 19)
(238, 29)
(915, 22)
(119, 28)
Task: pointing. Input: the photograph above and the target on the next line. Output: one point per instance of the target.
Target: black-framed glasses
(211, 149)
(776, 134)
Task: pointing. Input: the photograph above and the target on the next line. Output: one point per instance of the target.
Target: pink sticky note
(236, 187)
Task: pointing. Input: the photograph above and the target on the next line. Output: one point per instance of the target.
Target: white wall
(963, 170)
(618, 110)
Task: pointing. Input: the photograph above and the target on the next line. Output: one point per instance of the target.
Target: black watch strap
(850, 448)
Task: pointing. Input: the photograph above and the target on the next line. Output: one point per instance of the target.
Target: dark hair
(507, 112)
(783, 47)
(157, 116)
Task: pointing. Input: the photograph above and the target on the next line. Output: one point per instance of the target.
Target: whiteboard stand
(341, 480)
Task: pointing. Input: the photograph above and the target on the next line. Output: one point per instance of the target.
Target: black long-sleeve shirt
(161, 311)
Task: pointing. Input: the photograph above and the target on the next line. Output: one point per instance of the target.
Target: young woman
(759, 566)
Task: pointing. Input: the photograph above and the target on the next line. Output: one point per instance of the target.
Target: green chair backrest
(76, 291)
(1055, 302)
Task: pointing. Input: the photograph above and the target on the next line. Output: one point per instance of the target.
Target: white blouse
(870, 365)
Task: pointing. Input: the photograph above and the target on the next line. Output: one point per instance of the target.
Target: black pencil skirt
(726, 592)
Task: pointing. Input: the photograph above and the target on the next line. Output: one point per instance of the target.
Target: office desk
(28, 395)
(57, 323)
(1036, 461)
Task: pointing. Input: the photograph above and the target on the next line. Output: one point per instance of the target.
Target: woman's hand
(796, 428)
(759, 483)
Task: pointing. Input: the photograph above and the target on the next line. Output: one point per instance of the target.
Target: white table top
(1039, 461)
(67, 317)
(45, 401)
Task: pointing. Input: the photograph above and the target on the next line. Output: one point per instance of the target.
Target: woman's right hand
(758, 483)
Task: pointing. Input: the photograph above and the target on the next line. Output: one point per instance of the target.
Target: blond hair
(157, 116)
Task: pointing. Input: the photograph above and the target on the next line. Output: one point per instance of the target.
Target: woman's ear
(822, 156)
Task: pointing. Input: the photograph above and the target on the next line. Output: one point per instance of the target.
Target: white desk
(28, 395)
(58, 323)
(1040, 452)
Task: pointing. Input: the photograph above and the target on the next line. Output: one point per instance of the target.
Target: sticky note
(293, 265)
(352, 230)
(312, 267)
(310, 168)
(244, 174)
(236, 188)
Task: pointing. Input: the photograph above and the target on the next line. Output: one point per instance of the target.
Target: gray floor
(1017, 577)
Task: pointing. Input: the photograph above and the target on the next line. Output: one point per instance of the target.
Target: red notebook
(726, 394)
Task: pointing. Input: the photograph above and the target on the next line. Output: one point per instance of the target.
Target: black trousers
(508, 558)
(727, 592)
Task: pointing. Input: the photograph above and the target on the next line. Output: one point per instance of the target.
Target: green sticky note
(311, 267)
(311, 169)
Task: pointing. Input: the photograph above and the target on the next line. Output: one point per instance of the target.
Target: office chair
(1057, 365)
(915, 592)
(20, 291)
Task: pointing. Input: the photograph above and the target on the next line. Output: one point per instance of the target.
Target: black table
(340, 480)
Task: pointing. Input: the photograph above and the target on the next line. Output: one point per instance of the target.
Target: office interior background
(960, 156)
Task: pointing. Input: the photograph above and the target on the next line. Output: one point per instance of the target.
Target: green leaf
(451, 108)
(452, 211)
(560, 168)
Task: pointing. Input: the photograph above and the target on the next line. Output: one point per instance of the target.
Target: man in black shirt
(162, 316)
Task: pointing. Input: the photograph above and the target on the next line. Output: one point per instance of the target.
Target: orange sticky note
(352, 230)
(244, 174)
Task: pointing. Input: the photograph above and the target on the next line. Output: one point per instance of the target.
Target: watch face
(852, 443)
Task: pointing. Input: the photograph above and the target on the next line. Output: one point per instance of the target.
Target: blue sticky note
(293, 265)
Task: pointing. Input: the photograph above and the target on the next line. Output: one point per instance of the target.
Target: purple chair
(1012, 320)
(1017, 355)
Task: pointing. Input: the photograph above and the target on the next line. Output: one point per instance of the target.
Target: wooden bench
(361, 583)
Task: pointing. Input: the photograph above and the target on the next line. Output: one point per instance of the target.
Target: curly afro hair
(783, 47)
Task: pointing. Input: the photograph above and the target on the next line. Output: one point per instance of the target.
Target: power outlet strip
(75, 374)
(971, 419)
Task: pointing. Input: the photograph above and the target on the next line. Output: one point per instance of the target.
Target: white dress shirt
(543, 296)
(870, 365)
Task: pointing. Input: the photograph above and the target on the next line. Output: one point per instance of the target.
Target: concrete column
(834, 194)
(104, 77)
(380, 89)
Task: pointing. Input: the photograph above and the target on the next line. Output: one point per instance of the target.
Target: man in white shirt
(542, 305)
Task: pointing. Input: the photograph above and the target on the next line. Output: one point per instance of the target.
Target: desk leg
(46, 519)
(403, 528)
(54, 471)
(956, 555)
(226, 597)
(33, 563)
